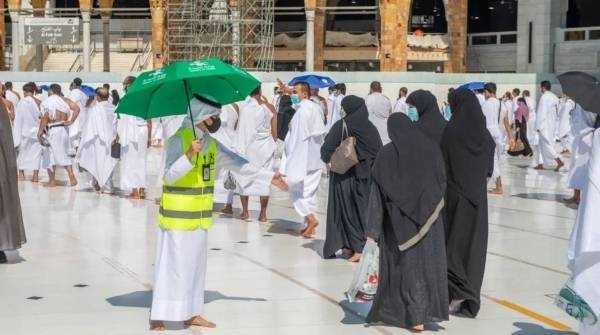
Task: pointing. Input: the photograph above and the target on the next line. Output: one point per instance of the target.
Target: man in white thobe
(532, 134)
(229, 121)
(97, 136)
(181, 256)
(545, 125)
(495, 119)
(322, 102)
(563, 133)
(256, 134)
(380, 109)
(301, 161)
(77, 96)
(134, 136)
(584, 247)
(401, 106)
(56, 117)
(583, 124)
(32, 155)
(336, 112)
(480, 94)
(11, 95)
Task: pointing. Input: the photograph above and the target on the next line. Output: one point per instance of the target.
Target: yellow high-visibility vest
(187, 203)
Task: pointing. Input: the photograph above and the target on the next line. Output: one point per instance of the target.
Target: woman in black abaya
(405, 206)
(431, 122)
(468, 151)
(349, 193)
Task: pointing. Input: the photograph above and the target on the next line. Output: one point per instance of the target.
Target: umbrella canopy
(583, 88)
(313, 80)
(167, 91)
(475, 85)
(88, 90)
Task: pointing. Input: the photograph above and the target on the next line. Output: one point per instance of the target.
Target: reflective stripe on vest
(187, 203)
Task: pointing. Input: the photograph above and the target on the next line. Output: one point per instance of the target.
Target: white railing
(577, 34)
(493, 38)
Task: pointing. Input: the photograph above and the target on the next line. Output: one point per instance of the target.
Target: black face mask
(216, 124)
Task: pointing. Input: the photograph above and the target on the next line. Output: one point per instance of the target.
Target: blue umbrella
(45, 87)
(476, 85)
(313, 80)
(88, 90)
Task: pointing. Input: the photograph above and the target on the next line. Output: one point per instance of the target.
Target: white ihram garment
(582, 129)
(401, 106)
(133, 136)
(80, 98)
(12, 97)
(336, 111)
(58, 135)
(584, 247)
(229, 118)
(255, 142)
(491, 111)
(563, 132)
(532, 134)
(301, 161)
(380, 109)
(545, 125)
(97, 135)
(180, 265)
(32, 155)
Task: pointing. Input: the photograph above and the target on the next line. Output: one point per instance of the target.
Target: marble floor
(88, 267)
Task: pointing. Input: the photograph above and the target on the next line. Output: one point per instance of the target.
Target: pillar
(158, 11)
(2, 40)
(39, 7)
(86, 6)
(236, 40)
(310, 41)
(457, 17)
(105, 14)
(14, 6)
(320, 32)
(537, 22)
(393, 45)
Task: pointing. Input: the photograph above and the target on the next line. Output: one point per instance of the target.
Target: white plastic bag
(366, 278)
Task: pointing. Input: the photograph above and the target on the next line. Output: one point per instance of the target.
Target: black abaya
(413, 287)
(431, 122)
(349, 193)
(468, 151)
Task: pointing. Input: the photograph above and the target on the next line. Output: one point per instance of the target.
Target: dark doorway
(437, 67)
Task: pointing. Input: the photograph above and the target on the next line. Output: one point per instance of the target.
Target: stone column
(236, 52)
(39, 7)
(86, 6)
(537, 22)
(320, 31)
(105, 7)
(310, 41)
(456, 15)
(2, 40)
(14, 6)
(158, 10)
(393, 45)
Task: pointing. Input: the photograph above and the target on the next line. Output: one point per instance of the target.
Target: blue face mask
(413, 114)
(295, 99)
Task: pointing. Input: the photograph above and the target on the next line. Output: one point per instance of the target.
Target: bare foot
(158, 326)
(227, 210)
(496, 191)
(311, 228)
(142, 193)
(35, 179)
(262, 218)
(245, 216)
(72, 182)
(134, 195)
(418, 328)
(198, 321)
(539, 167)
(355, 258)
(21, 175)
(51, 183)
(559, 164)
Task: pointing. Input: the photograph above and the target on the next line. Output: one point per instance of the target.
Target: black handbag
(115, 150)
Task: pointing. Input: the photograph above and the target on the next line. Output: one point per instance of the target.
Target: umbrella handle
(187, 95)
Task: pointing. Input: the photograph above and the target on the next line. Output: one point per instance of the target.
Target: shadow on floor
(541, 196)
(526, 328)
(284, 227)
(316, 245)
(143, 299)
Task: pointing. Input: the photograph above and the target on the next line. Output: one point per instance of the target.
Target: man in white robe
(77, 96)
(380, 109)
(134, 136)
(401, 106)
(584, 247)
(256, 134)
(301, 161)
(55, 121)
(545, 125)
(480, 94)
(97, 136)
(229, 122)
(11, 95)
(496, 120)
(563, 133)
(336, 113)
(583, 123)
(181, 255)
(27, 123)
(532, 134)
(322, 102)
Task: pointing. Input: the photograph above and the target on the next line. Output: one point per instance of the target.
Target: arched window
(492, 15)
(583, 13)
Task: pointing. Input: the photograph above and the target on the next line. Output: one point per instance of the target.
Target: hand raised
(279, 182)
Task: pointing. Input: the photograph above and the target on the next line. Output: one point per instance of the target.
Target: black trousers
(522, 134)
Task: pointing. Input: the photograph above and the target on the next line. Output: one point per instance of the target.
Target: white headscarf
(200, 112)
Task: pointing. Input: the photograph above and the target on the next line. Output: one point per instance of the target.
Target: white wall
(492, 58)
(578, 56)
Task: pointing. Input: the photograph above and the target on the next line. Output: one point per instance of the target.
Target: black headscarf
(467, 146)
(410, 170)
(368, 142)
(285, 112)
(431, 122)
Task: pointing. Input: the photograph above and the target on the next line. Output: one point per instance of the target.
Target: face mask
(295, 99)
(413, 114)
(216, 124)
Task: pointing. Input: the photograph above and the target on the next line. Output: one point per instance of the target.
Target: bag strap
(425, 229)
(344, 130)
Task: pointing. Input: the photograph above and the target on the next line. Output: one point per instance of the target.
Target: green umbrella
(167, 91)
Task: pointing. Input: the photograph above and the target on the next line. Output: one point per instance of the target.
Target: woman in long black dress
(349, 192)
(468, 151)
(407, 196)
(431, 122)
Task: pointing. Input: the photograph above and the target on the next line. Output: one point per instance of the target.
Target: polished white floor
(264, 279)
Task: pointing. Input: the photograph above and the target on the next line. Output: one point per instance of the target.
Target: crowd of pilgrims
(421, 178)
